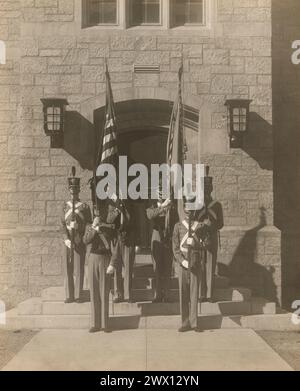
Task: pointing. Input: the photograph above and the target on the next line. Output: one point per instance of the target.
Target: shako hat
(208, 180)
(188, 195)
(73, 181)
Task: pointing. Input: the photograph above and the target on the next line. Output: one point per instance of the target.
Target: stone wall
(232, 59)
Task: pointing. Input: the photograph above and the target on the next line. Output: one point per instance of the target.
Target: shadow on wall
(79, 139)
(286, 123)
(244, 271)
(258, 142)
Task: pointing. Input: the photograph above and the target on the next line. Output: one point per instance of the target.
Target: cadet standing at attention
(161, 245)
(75, 216)
(212, 215)
(98, 236)
(190, 241)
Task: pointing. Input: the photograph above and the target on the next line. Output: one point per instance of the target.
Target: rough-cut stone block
(51, 265)
(259, 66)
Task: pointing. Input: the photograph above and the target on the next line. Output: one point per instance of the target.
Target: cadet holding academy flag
(161, 246)
(163, 213)
(98, 236)
(75, 216)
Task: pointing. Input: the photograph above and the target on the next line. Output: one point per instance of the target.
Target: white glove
(110, 270)
(114, 197)
(96, 228)
(68, 243)
(185, 264)
(73, 225)
(166, 203)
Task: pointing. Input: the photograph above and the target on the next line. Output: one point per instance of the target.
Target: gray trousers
(74, 271)
(189, 283)
(99, 283)
(208, 275)
(162, 261)
(126, 259)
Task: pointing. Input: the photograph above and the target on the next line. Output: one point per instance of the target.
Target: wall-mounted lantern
(238, 113)
(54, 117)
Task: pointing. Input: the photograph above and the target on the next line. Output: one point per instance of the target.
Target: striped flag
(176, 145)
(108, 152)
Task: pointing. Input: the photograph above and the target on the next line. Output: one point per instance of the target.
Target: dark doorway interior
(144, 146)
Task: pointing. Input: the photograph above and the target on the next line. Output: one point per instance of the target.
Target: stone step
(254, 306)
(142, 259)
(60, 308)
(279, 322)
(36, 306)
(150, 283)
(224, 294)
(145, 270)
(144, 308)
(232, 294)
(225, 308)
(147, 294)
(139, 295)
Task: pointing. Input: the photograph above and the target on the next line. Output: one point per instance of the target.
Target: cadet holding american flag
(101, 236)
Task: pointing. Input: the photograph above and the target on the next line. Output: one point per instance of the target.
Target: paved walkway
(137, 350)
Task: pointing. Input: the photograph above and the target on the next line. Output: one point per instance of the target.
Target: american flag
(108, 152)
(176, 146)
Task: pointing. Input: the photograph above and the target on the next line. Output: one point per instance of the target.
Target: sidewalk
(137, 350)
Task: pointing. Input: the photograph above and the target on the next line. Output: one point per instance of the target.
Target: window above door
(146, 13)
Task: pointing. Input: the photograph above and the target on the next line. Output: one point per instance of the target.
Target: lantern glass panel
(239, 119)
(54, 118)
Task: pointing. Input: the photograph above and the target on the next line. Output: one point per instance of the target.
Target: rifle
(73, 220)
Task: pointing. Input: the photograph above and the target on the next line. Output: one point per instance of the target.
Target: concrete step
(139, 295)
(142, 259)
(224, 294)
(150, 283)
(232, 294)
(145, 270)
(36, 306)
(142, 282)
(226, 308)
(279, 322)
(254, 306)
(60, 308)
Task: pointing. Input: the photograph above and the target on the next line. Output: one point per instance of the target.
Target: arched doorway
(143, 126)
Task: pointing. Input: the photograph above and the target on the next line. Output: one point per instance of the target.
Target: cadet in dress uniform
(124, 252)
(161, 246)
(189, 243)
(75, 216)
(98, 236)
(212, 215)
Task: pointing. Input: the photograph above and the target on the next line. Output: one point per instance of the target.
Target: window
(102, 12)
(145, 12)
(163, 14)
(188, 12)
